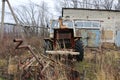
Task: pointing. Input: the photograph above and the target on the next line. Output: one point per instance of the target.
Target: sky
(16, 3)
(20, 2)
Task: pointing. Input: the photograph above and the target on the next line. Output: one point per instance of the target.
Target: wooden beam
(62, 52)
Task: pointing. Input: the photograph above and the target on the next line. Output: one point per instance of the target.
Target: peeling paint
(90, 37)
(93, 38)
(107, 35)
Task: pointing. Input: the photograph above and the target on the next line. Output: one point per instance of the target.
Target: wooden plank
(62, 52)
(48, 63)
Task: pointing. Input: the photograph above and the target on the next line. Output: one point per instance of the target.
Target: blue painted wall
(117, 39)
(93, 38)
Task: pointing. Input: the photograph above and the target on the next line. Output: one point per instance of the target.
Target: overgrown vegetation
(103, 65)
(98, 64)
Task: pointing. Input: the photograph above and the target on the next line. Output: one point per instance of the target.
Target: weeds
(101, 65)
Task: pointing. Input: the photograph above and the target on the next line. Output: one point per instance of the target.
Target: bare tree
(33, 16)
(75, 3)
(59, 4)
(117, 6)
(65, 4)
(108, 4)
(81, 3)
(97, 4)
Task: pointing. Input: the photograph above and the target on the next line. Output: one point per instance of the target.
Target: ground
(98, 64)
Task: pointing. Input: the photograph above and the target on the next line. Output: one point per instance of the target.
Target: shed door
(117, 40)
(90, 37)
(89, 31)
(93, 38)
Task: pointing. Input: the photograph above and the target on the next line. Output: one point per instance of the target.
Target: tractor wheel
(47, 46)
(79, 48)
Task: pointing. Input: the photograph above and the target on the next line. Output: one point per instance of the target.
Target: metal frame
(3, 14)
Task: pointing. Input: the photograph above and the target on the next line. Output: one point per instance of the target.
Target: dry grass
(101, 65)
(97, 65)
(7, 50)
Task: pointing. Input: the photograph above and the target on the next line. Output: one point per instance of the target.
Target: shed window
(95, 24)
(54, 24)
(87, 24)
(68, 23)
(79, 24)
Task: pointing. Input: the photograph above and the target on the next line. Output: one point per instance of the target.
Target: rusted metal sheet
(117, 39)
(64, 37)
(90, 37)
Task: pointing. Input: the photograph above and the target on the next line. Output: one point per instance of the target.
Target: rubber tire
(79, 48)
(47, 46)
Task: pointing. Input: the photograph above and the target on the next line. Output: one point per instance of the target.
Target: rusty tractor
(64, 42)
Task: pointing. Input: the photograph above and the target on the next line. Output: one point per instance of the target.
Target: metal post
(13, 14)
(15, 18)
(2, 18)
(3, 14)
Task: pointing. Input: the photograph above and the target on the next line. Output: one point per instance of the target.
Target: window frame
(67, 25)
(91, 26)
